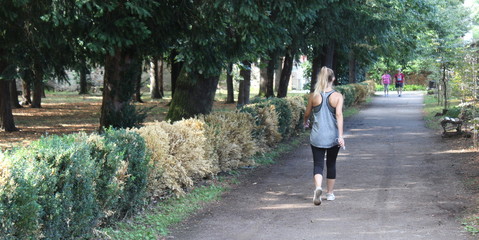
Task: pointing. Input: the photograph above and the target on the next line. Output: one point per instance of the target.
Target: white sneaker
(317, 196)
(330, 196)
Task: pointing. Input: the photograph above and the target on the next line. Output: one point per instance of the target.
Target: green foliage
(64, 175)
(128, 148)
(471, 225)
(266, 133)
(454, 112)
(122, 164)
(283, 111)
(129, 116)
(356, 93)
(19, 208)
(407, 87)
(60, 187)
(297, 107)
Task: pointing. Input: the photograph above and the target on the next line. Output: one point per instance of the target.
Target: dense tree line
(201, 39)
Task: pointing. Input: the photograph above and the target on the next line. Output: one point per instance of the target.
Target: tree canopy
(48, 36)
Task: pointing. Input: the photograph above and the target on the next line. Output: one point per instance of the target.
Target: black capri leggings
(318, 157)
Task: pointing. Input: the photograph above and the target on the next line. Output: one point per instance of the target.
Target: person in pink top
(386, 78)
(399, 77)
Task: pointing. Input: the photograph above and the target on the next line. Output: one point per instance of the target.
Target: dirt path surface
(394, 181)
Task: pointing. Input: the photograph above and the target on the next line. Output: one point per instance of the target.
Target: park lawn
(68, 112)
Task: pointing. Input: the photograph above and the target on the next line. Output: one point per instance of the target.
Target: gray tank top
(325, 126)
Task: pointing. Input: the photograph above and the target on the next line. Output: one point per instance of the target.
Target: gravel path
(394, 181)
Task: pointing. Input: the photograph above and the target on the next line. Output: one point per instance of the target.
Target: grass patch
(154, 222)
(432, 108)
(471, 225)
(407, 87)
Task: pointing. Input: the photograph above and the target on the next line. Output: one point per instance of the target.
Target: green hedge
(60, 187)
(63, 187)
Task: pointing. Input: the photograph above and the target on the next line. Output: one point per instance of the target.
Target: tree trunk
(270, 76)
(240, 103)
(14, 94)
(247, 83)
(83, 82)
(154, 83)
(194, 95)
(161, 81)
(229, 84)
(6, 115)
(352, 67)
(263, 78)
(37, 95)
(118, 87)
(328, 55)
(137, 76)
(26, 89)
(286, 74)
(37, 74)
(175, 71)
(243, 96)
(37, 87)
(444, 83)
(277, 73)
(44, 94)
(315, 68)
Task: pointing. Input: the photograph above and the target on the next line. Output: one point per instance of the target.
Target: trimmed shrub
(283, 111)
(178, 155)
(123, 165)
(266, 132)
(348, 94)
(370, 85)
(157, 142)
(189, 145)
(63, 174)
(361, 93)
(356, 93)
(297, 108)
(230, 136)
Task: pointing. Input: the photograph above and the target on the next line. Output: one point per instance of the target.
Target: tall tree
(156, 72)
(6, 115)
(229, 84)
(14, 94)
(138, 83)
(245, 83)
(118, 35)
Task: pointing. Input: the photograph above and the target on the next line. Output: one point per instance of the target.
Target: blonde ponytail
(326, 75)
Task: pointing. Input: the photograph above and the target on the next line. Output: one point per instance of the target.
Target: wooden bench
(451, 123)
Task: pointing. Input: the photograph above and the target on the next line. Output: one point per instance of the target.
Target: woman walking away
(327, 131)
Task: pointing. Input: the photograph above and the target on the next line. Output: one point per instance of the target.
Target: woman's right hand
(306, 124)
(341, 142)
